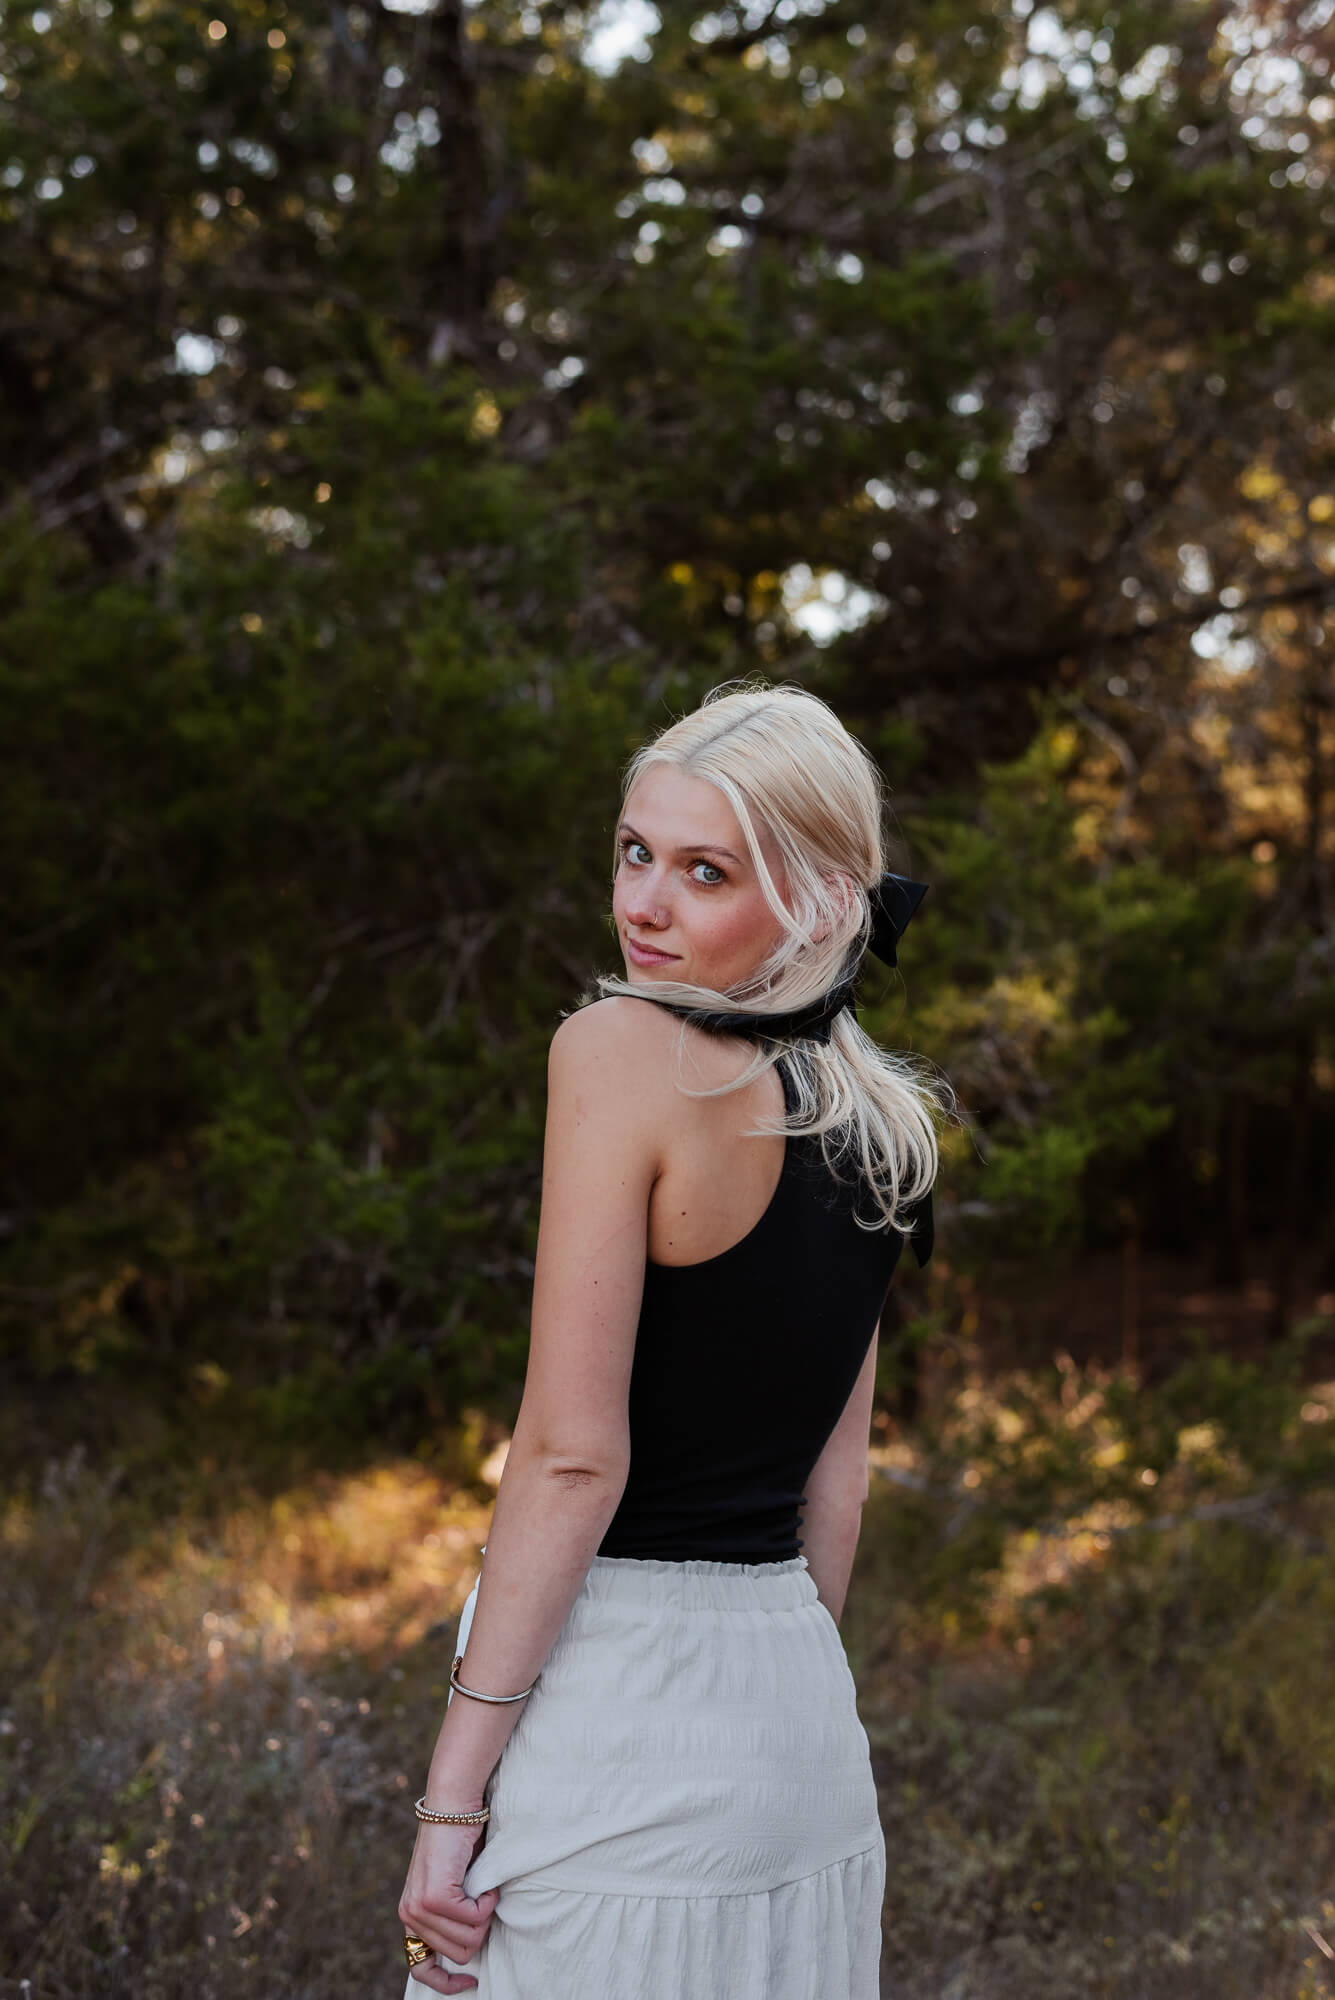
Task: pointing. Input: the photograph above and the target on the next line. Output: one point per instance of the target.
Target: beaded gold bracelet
(424, 1812)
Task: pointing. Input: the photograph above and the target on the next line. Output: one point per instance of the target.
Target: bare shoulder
(609, 1089)
(637, 1057)
(617, 1037)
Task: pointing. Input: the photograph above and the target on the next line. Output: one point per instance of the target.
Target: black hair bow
(893, 901)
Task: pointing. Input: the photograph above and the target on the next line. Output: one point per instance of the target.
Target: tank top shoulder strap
(801, 1149)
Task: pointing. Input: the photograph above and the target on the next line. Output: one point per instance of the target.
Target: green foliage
(400, 416)
(360, 840)
(1071, 996)
(1084, 1460)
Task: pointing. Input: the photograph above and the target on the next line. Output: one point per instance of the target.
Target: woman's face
(686, 901)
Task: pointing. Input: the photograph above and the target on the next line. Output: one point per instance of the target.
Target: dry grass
(212, 1736)
(1105, 1744)
(1122, 1788)
(1106, 1758)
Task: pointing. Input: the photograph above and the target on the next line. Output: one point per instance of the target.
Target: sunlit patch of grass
(1101, 1708)
(368, 1562)
(211, 1734)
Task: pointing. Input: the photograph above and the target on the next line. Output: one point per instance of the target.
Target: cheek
(740, 930)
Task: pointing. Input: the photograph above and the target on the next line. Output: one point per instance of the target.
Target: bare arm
(570, 1455)
(836, 1490)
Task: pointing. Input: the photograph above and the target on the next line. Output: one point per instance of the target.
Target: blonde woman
(654, 1783)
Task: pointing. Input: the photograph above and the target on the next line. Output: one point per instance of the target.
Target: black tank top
(743, 1365)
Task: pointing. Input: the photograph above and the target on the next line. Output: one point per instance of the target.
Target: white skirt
(685, 1810)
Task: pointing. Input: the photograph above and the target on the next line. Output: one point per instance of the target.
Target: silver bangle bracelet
(473, 1693)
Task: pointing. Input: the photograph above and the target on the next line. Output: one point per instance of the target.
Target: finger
(428, 1919)
(436, 1923)
(441, 1981)
(461, 1909)
(454, 1900)
(460, 1913)
(456, 1940)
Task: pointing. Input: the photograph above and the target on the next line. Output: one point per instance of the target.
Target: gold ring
(416, 1950)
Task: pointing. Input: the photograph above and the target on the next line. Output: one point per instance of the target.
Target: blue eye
(719, 877)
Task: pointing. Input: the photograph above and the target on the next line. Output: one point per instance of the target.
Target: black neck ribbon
(893, 901)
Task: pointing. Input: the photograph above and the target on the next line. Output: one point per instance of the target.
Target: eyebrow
(696, 847)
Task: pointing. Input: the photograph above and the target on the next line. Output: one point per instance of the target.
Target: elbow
(582, 1488)
(577, 1475)
(588, 1471)
(573, 1462)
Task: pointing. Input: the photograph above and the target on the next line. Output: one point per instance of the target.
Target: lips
(645, 954)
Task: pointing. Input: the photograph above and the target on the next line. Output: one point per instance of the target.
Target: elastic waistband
(699, 1584)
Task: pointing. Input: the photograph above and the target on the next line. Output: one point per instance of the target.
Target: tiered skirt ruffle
(685, 1809)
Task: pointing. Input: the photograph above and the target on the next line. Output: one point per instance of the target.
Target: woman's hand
(434, 1907)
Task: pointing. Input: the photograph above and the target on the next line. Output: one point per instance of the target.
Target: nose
(644, 909)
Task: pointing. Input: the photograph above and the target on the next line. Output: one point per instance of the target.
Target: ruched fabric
(686, 1805)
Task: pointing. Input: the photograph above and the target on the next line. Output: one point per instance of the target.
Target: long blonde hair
(783, 760)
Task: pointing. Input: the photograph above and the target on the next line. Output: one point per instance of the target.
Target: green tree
(401, 412)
